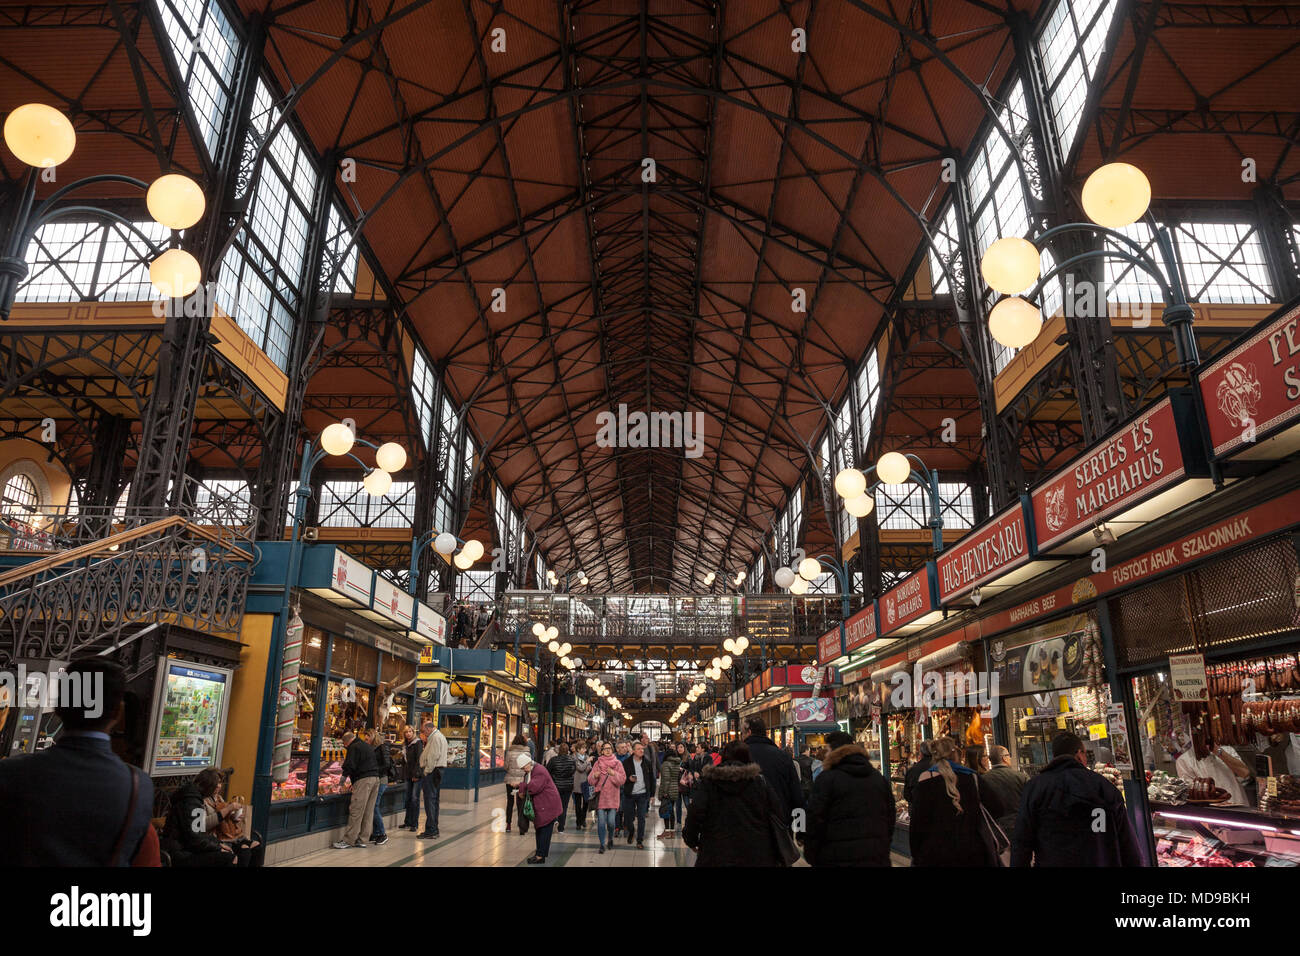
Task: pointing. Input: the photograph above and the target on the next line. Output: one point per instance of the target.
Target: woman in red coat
(546, 803)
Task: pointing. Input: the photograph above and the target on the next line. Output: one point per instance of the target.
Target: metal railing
(673, 618)
(98, 574)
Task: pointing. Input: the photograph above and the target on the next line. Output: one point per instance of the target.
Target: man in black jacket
(411, 775)
(75, 804)
(778, 769)
(1001, 787)
(361, 768)
(561, 768)
(637, 790)
(1071, 816)
(851, 810)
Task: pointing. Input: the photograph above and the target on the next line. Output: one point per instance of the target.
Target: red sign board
(860, 629)
(1253, 524)
(828, 645)
(1254, 390)
(906, 602)
(984, 554)
(1138, 460)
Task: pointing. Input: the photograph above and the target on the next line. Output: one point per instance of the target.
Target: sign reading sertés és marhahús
(1138, 460)
(1187, 677)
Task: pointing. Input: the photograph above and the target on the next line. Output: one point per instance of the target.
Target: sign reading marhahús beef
(986, 553)
(860, 629)
(1139, 459)
(1254, 390)
(906, 602)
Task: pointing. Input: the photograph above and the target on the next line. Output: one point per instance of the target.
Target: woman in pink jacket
(547, 807)
(606, 780)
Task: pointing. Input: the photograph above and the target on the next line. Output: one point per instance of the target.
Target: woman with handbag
(606, 780)
(948, 827)
(219, 838)
(732, 820)
(541, 803)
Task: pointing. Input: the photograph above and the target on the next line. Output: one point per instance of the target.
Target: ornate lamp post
(42, 138)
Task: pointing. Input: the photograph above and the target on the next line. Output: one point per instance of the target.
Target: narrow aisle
(475, 836)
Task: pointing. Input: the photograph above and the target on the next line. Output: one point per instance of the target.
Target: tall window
(206, 49)
(1070, 44)
(956, 505)
(224, 502)
(424, 394)
(902, 506)
(754, 583)
(999, 204)
(1223, 262)
(476, 586)
(945, 252)
(19, 497)
(90, 262)
(868, 396)
(262, 278)
(340, 253)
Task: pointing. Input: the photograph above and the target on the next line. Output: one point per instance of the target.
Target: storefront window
(313, 650)
(1034, 719)
(503, 722)
(1224, 773)
(455, 727)
(485, 742)
(295, 786)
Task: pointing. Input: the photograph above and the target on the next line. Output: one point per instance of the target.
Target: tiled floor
(475, 836)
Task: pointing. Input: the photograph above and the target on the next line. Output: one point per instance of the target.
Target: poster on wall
(1187, 677)
(1054, 662)
(814, 710)
(189, 721)
(1117, 737)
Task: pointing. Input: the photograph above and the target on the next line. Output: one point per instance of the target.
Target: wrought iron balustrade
(92, 591)
(672, 618)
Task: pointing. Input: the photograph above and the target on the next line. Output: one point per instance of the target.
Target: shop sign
(1187, 677)
(860, 629)
(512, 664)
(1254, 524)
(1139, 459)
(394, 603)
(426, 655)
(1254, 390)
(351, 578)
(984, 554)
(828, 645)
(907, 601)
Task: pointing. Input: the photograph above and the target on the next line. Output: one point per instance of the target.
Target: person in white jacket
(432, 759)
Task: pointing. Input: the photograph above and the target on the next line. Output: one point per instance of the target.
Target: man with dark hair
(778, 769)
(1071, 816)
(76, 803)
(637, 791)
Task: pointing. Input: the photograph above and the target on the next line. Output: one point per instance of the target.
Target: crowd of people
(749, 804)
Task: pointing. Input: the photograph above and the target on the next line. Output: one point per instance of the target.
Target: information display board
(189, 720)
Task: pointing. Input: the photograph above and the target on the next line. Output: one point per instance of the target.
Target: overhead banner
(860, 629)
(1253, 391)
(394, 603)
(1137, 461)
(984, 554)
(907, 601)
